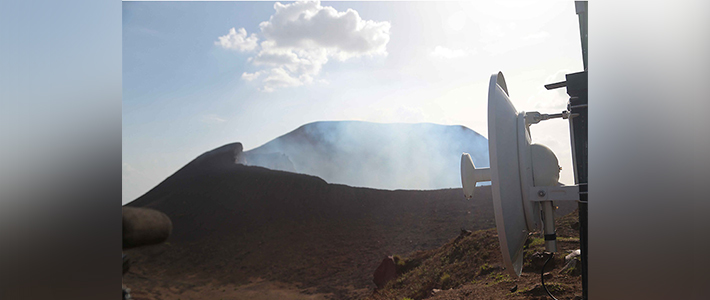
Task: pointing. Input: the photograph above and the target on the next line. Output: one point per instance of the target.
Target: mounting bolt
(541, 193)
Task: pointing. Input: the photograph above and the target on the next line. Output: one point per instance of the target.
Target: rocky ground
(470, 267)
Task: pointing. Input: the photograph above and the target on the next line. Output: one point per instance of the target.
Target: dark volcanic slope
(387, 156)
(233, 222)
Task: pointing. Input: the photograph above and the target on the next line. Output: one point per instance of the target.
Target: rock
(574, 254)
(144, 226)
(464, 233)
(385, 272)
(513, 289)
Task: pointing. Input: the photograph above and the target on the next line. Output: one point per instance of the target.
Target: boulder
(144, 226)
(385, 272)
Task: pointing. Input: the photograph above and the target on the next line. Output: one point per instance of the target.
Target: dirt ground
(258, 289)
(301, 236)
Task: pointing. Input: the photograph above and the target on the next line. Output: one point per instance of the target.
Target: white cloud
(238, 40)
(251, 76)
(446, 53)
(551, 99)
(553, 103)
(308, 25)
(279, 78)
(299, 38)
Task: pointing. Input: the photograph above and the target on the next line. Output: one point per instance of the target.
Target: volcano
(237, 225)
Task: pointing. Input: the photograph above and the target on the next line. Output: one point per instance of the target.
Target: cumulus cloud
(299, 38)
(308, 25)
(251, 76)
(279, 78)
(238, 40)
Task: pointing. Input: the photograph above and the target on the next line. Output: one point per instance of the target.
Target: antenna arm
(554, 193)
(533, 117)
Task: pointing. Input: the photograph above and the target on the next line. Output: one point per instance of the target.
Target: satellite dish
(524, 176)
(505, 174)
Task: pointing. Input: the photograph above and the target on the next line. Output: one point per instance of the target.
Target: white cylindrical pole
(548, 215)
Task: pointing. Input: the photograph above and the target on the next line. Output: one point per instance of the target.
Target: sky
(198, 75)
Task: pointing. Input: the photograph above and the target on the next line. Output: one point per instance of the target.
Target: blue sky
(185, 93)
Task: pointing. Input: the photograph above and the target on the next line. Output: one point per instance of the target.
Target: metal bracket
(556, 85)
(533, 117)
(554, 193)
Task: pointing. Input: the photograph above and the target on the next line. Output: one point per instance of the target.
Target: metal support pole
(581, 8)
(577, 90)
(548, 211)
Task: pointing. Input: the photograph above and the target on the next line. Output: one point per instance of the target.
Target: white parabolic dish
(505, 175)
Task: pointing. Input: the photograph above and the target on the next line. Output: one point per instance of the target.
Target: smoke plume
(384, 156)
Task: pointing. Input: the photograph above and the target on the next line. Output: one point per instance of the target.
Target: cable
(542, 276)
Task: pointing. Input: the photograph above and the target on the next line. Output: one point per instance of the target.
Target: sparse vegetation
(485, 269)
(472, 264)
(498, 278)
(571, 270)
(445, 281)
(399, 261)
(555, 287)
(536, 242)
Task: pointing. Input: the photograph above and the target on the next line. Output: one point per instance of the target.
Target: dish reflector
(510, 209)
